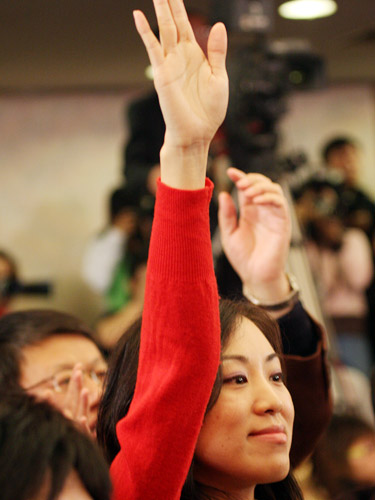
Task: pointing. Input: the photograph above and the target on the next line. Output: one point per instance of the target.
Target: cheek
(220, 426)
(54, 398)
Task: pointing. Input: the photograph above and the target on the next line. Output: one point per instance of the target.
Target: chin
(276, 472)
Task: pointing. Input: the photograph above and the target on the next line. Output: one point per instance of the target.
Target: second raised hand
(257, 242)
(192, 89)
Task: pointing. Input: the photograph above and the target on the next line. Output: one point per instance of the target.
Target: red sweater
(180, 337)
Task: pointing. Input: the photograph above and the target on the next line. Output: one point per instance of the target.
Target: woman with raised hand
(182, 432)
(256, 241)
(180, 331)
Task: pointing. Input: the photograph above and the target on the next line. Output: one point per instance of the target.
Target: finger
(235, 174)
(166, 23)
(151, 43)
(184, 29)
(261, 188)
(71, 402)
(84, 426)
(252, 179)
(83, 405)
(227, 215)
(217, 49)
(269, 199)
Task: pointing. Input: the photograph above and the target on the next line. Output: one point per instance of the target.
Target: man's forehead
(56, 353)
(62, 350)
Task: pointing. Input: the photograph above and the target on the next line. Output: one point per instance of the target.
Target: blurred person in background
(345, 201)
(114, 263)
(43, 456)
(343, 463)
(53, 356)
(342, 265)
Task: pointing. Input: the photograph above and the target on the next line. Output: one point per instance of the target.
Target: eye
(277, 377)
(63, 381)
(236, 379)
(100, 374)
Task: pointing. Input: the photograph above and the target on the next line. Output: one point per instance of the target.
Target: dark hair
(122, 198)
(37, 443)
(336, 144)
(122, 376)
(330, 460)
(24, 328)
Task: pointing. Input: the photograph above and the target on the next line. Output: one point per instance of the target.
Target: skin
(229, 456)
(361, 460)
(192, 91)
(256, 241)
(66, 355)
(345, 160)
(5, 268)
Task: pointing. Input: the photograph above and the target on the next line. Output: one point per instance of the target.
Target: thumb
(227, 215)
(217, 48)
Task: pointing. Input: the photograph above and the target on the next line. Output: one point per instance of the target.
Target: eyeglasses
(59, 382)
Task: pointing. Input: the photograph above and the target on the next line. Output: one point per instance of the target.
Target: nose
(266, 398)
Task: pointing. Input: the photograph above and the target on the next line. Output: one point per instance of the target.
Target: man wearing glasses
(53, 356)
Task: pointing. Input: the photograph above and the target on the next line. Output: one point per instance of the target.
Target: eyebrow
(245, 359)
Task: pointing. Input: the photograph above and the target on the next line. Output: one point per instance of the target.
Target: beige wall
(59, 157)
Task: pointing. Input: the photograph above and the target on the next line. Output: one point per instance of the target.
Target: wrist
(184, 167)
(268, 290)
(281, 297)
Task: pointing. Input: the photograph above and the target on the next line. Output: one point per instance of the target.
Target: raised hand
(192, 89)
(75, 404)
(257, 242)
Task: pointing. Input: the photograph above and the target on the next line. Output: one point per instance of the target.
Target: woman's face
(245, 439)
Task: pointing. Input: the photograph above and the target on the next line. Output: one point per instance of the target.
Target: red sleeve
(179, 355)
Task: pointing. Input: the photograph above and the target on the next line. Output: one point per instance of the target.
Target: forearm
(298, 332)
(309, 382)
(180, 328)
(184, 167)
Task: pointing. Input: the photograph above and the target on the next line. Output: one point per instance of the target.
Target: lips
(274, 433)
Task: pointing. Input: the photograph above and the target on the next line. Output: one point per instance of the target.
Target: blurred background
(69, 69)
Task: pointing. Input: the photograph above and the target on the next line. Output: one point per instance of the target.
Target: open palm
(192, 89)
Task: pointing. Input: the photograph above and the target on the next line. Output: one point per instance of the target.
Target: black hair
(122, 376)
(124, 197)
(28, 327)
(336, 144)
(39, 448)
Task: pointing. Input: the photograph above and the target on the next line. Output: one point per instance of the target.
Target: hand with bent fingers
(75, 404)
(192, 88)
(257, 242)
